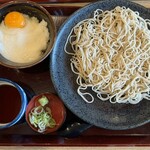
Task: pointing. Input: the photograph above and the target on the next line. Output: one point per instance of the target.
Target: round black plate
(98, 113)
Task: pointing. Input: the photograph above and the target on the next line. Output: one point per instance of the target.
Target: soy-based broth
(10, 103)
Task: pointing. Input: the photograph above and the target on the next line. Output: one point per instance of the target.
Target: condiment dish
(57, 112)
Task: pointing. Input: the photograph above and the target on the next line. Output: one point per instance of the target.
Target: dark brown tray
(36, 80)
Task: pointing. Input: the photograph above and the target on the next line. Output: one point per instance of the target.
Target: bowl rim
(23, 103)
(50, 48)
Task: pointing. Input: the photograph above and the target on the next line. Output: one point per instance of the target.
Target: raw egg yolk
(14, 20)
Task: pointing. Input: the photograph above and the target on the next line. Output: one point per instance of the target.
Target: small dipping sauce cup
(13, 102)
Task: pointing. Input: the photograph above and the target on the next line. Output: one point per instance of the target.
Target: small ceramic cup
(13, 102)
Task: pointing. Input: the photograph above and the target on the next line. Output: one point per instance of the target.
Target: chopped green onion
(41, 118)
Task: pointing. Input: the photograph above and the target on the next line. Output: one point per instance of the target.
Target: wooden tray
(36, 80)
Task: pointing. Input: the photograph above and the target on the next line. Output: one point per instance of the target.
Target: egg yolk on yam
(14, 20)
(26, 44)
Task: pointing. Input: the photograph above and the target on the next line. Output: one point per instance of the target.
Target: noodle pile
(111, 56)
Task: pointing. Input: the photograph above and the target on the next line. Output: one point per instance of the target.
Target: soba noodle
(111, 56)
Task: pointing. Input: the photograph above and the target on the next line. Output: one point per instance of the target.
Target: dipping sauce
(10, 103)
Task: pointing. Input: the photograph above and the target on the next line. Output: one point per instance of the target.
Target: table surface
(73, 148)
(39, 76)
